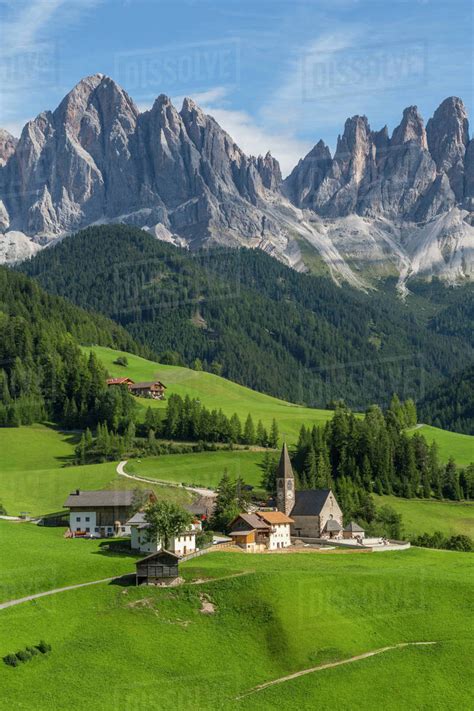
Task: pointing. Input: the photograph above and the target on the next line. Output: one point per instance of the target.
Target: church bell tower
(285, 482)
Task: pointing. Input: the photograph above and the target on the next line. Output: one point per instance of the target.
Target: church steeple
(285, 482)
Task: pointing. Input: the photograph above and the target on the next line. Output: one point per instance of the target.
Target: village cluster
(309, 516)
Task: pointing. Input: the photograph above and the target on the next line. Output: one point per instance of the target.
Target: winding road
(197, 490)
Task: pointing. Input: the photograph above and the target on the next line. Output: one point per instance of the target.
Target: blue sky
(276, 74)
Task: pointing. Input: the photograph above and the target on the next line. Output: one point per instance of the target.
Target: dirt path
(35, 596)
(202, 492)
(329, 665)
(224, 577)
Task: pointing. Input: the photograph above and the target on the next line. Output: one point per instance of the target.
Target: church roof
(309, 502)
(354, 527)
(285, 470)
(333, 525)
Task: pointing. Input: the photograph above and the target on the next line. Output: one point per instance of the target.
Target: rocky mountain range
(400, 204)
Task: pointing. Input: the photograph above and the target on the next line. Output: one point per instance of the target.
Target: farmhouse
(262, 530)
(104, 513)
(315, 512)
(153, 389)
(120, 381)
(180, 545)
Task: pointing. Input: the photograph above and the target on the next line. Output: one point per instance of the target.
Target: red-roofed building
(120, 381)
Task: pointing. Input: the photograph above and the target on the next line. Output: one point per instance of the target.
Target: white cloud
(254, 139)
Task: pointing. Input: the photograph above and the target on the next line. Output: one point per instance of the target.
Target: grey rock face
(413, 175)
(448, 136)
(8, 145)
(96, 158)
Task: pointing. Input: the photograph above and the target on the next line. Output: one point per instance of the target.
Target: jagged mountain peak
(179, 174)
(410, 129)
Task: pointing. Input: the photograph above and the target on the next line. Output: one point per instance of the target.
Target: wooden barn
(157, 567)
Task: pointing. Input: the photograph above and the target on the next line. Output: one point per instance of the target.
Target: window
(87, 519)
(78, 528)
(96, 529)
(88, 530)
(78, 519)
(123, 529)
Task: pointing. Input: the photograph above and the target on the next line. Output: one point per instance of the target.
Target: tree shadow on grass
(113, 548)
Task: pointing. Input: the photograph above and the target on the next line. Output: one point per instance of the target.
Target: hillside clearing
(214, 392)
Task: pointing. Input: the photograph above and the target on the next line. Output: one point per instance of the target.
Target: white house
(103, 512)
(180, 545)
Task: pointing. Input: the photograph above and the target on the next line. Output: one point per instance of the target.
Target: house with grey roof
(315, 512)
(353, 530)
(102, 513)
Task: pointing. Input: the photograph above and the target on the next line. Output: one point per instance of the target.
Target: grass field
(451, 444)
(201, 469)
(35, 559)
(34, 477)
(424, 516)
(142, 648)
(215, 392)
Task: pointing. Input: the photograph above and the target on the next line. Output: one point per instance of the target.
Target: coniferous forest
(43, 373)
(246, 316)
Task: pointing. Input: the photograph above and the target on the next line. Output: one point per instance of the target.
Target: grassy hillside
(425, 516)
(290, 612)
(34, 476)
(202, 469)
(35, 559)
(215, 392)
(451, 444)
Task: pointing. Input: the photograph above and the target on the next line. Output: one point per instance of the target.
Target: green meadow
(35, 559)
(202, 468)
(451, 444)
(141, 648)
(215, 393)
(427, 516)
(36, 475)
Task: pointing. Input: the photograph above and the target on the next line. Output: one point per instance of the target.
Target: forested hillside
(242, 314)
(43, 372)
(451, 404)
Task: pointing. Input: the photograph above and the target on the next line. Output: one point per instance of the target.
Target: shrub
(43, 647)
(11, 660)
(121, 360)
(32, 651)
(459, 543)
(23, 655)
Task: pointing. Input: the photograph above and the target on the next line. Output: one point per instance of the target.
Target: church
(315, 512)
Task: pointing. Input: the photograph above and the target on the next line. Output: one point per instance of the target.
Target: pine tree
(249, 430)
(274, 435)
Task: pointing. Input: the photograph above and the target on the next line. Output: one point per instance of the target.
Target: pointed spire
(285, 470)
